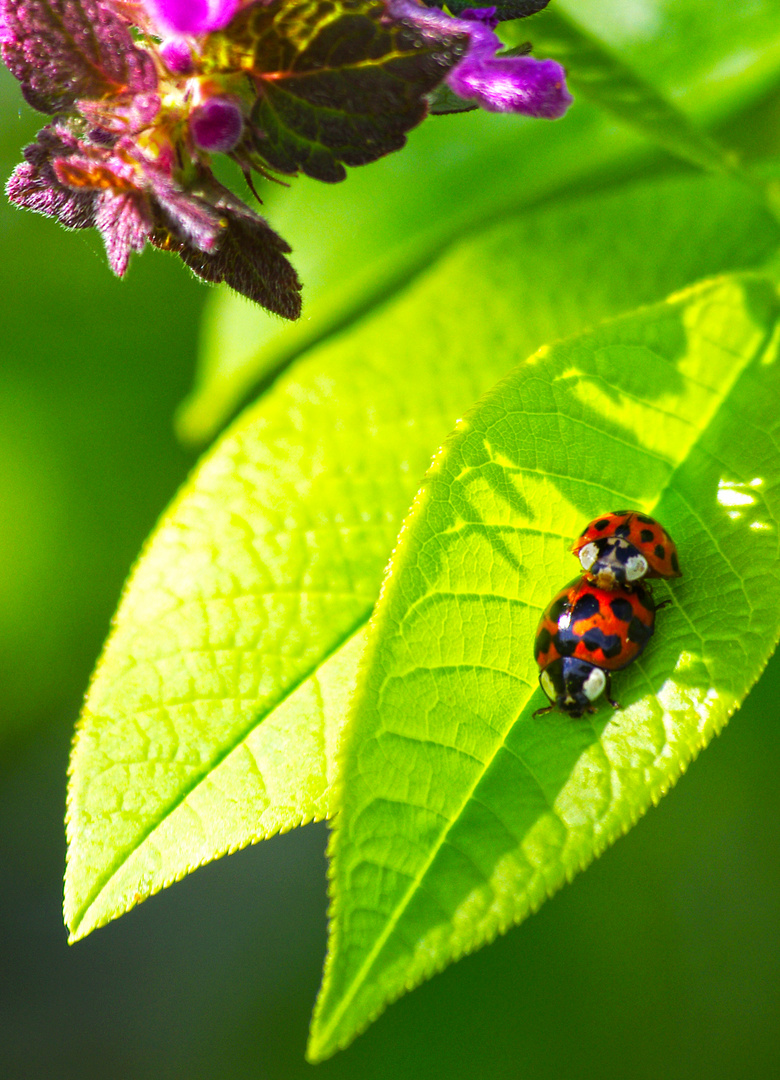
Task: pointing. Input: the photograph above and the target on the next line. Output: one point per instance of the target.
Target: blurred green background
(661, 961)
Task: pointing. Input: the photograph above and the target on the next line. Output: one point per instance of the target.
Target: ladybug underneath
(585, 633)
(623, 547)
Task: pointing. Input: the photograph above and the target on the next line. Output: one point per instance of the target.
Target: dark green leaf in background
(459, 812)
(338, 83)
(596, 73)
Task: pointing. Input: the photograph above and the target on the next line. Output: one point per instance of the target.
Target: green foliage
(444, 184)
(224, 686)
(458, 173)
(705, 56)
(594, 72)
(216, 716)
(460, 813)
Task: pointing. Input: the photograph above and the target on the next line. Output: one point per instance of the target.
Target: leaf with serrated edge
(460, 812)
(203, 729)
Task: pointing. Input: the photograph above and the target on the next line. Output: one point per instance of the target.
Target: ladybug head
(573, 685)
(612, 561)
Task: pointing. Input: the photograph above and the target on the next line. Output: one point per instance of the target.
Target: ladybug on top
(624, 547)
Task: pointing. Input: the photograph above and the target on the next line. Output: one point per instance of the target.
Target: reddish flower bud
(177, 56)
(216, 125)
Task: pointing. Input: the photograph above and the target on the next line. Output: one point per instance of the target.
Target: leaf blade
(348, 431)
(499, 810)
(338, 84)
(597, 73)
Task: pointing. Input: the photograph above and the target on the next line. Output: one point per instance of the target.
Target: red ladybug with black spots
(623, 547)
(585, 633)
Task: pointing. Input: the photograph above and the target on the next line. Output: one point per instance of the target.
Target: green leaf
(448, 181)
(709, 57)
(593, 71)
(213, 713)
(340, 83)
(457, 173)
(460, 812)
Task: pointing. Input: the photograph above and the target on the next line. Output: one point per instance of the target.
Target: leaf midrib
(104, 880)
(720, 398)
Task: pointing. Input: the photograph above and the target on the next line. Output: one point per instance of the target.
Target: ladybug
(623, 547)
(585, 633)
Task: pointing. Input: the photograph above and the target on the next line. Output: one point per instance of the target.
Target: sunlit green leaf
(461, 812)
(213, 714)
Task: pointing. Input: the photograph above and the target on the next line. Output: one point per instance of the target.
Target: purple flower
(192, 16)
(124, 160)
(518, 84)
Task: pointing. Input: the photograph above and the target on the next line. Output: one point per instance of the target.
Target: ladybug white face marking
(547, 686)
(636, 567)
(588, 555)
(594, 685)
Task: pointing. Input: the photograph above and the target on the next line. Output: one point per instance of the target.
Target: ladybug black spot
(565, 643)
(645, 520)
(586, 607)
(646, 536)
(620, 513)
(610, 644)
(660, 551)
(601, 524)
(638, 633)
(644, 598)
(675, 563)
(558, 608)
(623, 530)
(622, 609)
(543, 642)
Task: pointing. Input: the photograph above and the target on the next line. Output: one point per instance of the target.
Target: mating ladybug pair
(602, 621)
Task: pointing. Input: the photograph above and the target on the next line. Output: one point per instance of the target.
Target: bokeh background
(661, 961)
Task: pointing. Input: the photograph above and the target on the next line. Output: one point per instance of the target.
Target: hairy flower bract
(142, 94)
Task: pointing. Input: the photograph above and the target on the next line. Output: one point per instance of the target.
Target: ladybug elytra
(585, 633)
(623, 547)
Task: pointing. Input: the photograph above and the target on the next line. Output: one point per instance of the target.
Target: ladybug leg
(543, 711)
(663, 604)
(608, 695)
